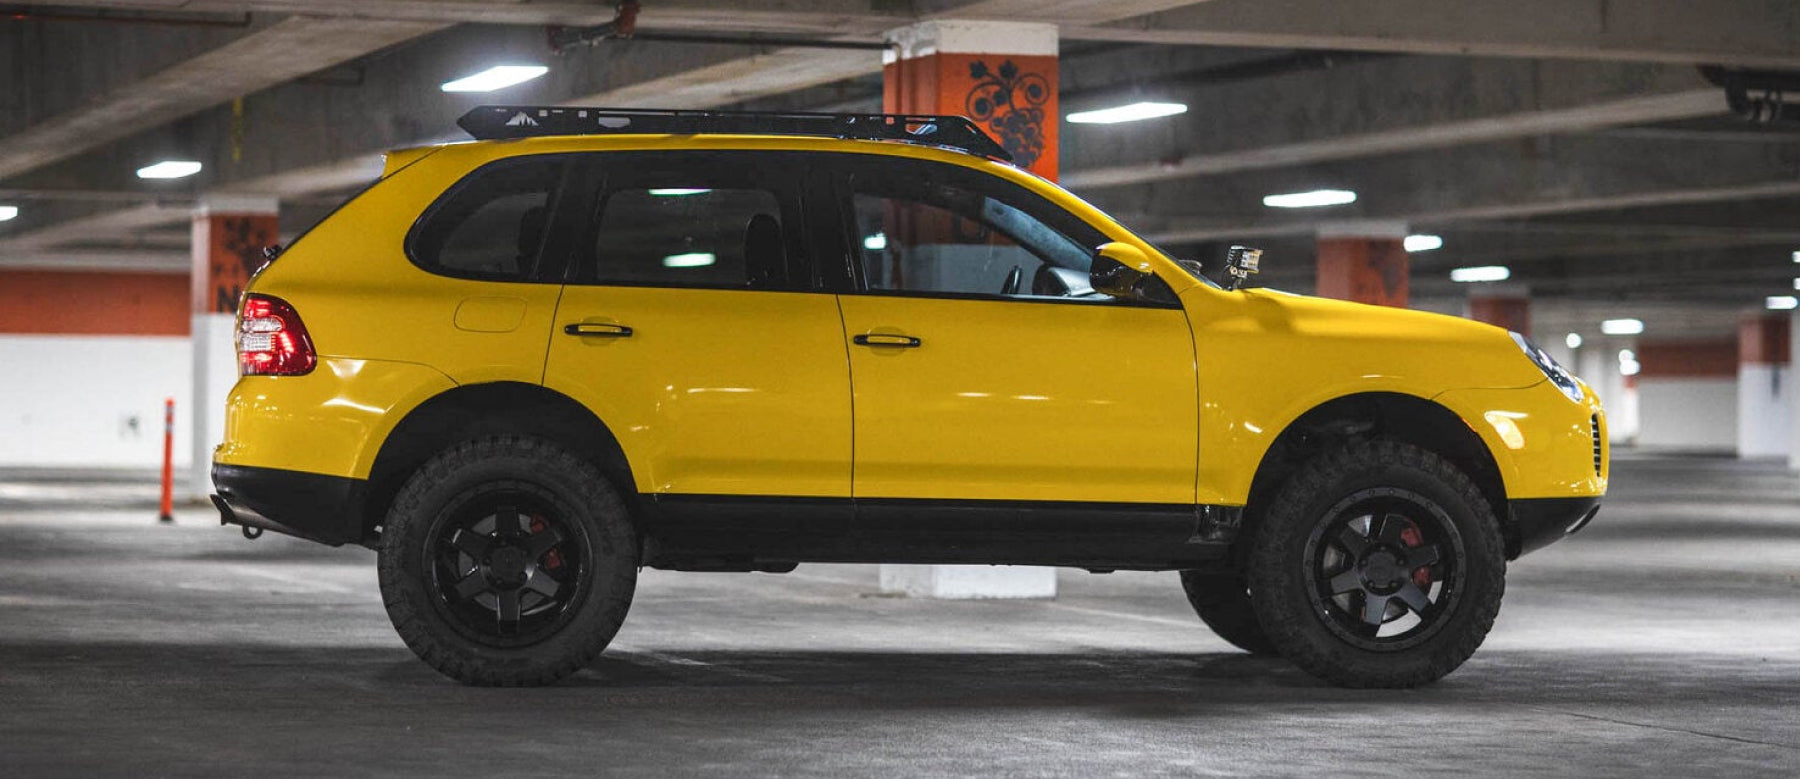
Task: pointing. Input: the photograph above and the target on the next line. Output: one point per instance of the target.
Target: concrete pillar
(1687, 393)
(1002, 75)
(1364, 262)
(1502, 305)
(228, 240)
(1763, 392)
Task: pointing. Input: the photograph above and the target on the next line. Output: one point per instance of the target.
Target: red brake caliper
(553, 558)
(1411, 537)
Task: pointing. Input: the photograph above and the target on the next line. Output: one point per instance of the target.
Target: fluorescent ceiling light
(1481, 273)
(1127, 113)
(8, 212)
(1313, 199)
(689, 260)
(1573, 340)
(169, 169)
(1781, 303)
(1422, 243)
(1797, 283)
(875, 242)
(497, 77)
(1796, 256)
(1622, 326)
(678, 192)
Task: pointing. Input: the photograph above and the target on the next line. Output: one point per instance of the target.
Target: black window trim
(1036, 206)
(550, 266)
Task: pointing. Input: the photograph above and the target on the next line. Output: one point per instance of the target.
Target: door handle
(886, 339)
(602, 329)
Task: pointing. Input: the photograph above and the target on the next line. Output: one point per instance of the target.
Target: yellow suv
(596, 340)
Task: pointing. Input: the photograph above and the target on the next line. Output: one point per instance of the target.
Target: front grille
(1594, 431)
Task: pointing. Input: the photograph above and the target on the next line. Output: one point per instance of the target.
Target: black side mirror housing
(1118, 270)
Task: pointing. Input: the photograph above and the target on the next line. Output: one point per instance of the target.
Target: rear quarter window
(490, 225)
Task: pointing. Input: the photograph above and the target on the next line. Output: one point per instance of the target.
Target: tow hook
(252, 533)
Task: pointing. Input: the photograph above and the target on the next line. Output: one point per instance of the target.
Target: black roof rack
(491, 122)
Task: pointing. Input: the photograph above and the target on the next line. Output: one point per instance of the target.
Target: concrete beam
(145, 261)
(1472, 183)
(1746, 33)
(289, 49)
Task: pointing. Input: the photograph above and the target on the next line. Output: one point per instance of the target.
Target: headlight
(1563, 380)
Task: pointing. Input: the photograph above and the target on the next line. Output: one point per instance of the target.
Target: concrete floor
(1664, 640)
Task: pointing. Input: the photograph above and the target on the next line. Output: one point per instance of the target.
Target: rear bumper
(316, 507)
(1540, 522)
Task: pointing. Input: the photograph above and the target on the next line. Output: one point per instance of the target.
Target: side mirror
(1118, 268)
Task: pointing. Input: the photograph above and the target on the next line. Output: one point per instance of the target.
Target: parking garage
(1616, 183)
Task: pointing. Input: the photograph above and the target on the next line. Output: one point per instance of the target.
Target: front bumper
(316, 507)
(1540, 522)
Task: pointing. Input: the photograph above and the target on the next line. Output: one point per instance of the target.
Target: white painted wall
(214, 361)
(1764, 394)
(70, 400)
(1698, 413)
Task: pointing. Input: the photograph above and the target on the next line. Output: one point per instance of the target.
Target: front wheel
(1378, 564)
(507, 561)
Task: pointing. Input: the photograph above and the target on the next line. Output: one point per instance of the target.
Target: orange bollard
(168, 475)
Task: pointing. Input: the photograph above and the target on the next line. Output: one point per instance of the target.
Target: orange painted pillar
(229, 236)
(1502, 305)
(1002, 75)
(1366, 265)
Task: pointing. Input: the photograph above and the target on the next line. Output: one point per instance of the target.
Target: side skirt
(747, 533)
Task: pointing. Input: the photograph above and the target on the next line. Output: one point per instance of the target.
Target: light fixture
(1422, 243)
(169, 169)
(497, 77)
(876, 242)
(1313, 199)
(1573, 340)
(8, 212)
(1797, 256)
(1797, 283)
(1628, 363)
(678, 192)
(690, 260)
(1481, 273)
(1127, 113)
(1781, 302)
(1622, 326)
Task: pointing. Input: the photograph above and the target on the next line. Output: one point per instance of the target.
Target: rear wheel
(507, 561)
(1378, 564)
(1223, 602)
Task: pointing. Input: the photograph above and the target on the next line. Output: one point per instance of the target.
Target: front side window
(935, 229)
(492, 224)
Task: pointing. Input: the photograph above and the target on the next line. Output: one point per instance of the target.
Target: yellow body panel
(331, 421)
(1022, 401)
(724, 392)
(748, 393)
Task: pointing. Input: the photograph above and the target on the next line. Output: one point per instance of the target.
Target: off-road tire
(1223, 602)
(599, 528)
(1288, 611)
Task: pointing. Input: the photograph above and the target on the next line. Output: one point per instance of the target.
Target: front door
(694, 329)
(997, 397)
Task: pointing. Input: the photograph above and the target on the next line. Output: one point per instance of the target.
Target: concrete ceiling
(1572, 139)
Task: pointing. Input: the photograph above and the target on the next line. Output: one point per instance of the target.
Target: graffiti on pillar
(236, 254)
(1011, 104)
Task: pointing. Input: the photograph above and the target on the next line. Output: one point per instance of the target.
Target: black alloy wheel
(1383, 568)
(504, 568)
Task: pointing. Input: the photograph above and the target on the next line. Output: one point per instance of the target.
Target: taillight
(271, 341)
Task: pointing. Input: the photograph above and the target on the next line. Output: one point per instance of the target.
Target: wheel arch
(496, 408)
(1379, 415)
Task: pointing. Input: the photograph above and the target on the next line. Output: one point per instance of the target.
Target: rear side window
(490, 225)
(691, 236)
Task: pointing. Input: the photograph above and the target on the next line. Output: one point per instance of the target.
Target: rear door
(693, 327)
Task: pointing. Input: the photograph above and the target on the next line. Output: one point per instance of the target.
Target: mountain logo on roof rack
(521, 119)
